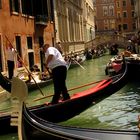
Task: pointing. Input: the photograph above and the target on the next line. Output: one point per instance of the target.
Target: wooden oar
(38, 99)
(84, 85)
(78, 87)
(70, 89)
(25, 66)
(78, 64)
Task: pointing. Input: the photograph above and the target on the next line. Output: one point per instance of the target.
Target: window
(119, 15)
(14, 5)
(30, 51)
(132, 2)
(31, 59)
(18, 47)
(70, 18)
(0, 4)
(124, 3)
(40, 7)
(134, 26)
(133, 13)
(125, 26)
(41, 42)
(105, 11)
(111, 10)
(112, 24)
(29, 43)
(124, 14)
(118, 4)
(119, 27)
(106, 25)
(51, 10)
(27, 7)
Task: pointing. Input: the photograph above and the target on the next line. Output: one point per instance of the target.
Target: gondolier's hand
(49, 71)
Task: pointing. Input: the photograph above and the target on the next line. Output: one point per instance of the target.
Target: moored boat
(6, 83)
(75, 60)
(115, 65)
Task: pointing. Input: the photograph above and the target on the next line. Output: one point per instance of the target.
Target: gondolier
(57, 64)
(10, 60)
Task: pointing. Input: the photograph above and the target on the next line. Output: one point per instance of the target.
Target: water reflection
(119, 111)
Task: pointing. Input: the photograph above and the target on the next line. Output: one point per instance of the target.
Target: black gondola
(79, 102)
(34, 128)
(6, 83)
(133, 64)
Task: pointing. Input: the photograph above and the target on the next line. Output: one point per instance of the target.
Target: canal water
(119, 111)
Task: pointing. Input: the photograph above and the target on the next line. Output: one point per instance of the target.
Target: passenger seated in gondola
(45, 75)
(115, 65)
(131, 47)
(35, 68)
(67, 58)
(114, 49)
(36, 74)
(77, 58)
(88, 54)
(74, 57)
(24, 76)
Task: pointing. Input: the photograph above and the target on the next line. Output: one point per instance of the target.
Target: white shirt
(57, 59)
(10, 54)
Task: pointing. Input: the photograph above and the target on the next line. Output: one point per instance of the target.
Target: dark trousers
(10, 68)
(59, 79)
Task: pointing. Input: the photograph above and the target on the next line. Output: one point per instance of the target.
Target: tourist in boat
(114, 49)
(88, 53)
(58, 66)
(10, 60)
(131, 47)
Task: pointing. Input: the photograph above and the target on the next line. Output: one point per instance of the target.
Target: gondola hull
(6, 83)
(33, 86)
(34, 128)
(79, 102)
(133, 66)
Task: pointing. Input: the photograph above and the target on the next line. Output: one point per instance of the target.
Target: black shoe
(52, 103)
(64, 99)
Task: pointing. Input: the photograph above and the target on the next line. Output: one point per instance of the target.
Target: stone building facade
(74, 23)
(27, 26)
(125, 16)
(105, 18)
(137, 14)
(115, 16)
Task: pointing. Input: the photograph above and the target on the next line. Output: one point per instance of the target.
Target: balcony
(41, 20)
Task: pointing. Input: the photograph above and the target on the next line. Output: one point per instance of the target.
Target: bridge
(107, 40)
